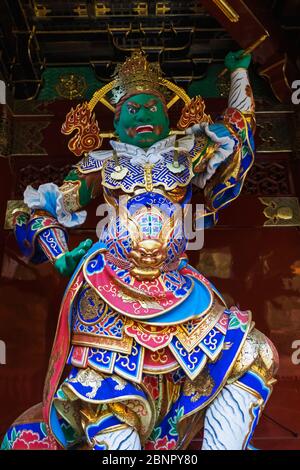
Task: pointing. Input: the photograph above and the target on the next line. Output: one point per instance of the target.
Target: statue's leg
(122, 439)
(229, 420)
(106, 431)
(232, 417)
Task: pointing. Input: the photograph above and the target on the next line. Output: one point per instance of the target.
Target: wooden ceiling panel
(36, 34)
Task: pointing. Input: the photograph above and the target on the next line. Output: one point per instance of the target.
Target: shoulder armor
(89, 165)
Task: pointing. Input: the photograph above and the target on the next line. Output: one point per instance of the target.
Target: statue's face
(142, 121)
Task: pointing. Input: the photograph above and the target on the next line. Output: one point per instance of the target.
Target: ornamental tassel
(119, 172)
(175, 166)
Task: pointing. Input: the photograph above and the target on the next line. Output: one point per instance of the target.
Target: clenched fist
(236, 60)
(66, 263)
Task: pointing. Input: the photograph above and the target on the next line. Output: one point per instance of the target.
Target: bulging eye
(132, 110)
(153, 108)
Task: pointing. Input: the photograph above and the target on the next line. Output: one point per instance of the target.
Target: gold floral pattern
(202, 386)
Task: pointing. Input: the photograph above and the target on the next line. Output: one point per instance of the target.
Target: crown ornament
(136, 74)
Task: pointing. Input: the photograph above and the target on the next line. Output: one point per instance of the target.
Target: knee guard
(232, 417)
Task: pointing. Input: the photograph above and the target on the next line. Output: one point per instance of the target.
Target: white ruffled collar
(152, 155)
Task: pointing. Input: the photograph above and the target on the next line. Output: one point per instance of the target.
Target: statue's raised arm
(224, 150)
(240, 95)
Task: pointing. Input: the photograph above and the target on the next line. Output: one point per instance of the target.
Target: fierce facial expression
(142, 121)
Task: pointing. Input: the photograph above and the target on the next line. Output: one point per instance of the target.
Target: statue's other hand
(67, 263)
(236, 60)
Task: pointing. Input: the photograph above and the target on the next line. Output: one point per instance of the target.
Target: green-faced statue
(142, 120)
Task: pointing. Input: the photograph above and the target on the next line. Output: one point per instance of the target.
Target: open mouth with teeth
(143, 129)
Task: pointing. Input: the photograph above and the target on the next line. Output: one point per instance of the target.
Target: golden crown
(136, 74)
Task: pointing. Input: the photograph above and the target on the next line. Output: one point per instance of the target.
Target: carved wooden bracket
(249, 24)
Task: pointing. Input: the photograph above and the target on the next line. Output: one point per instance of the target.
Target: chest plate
(148, 176)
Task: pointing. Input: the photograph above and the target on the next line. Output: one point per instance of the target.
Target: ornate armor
(153, 345)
